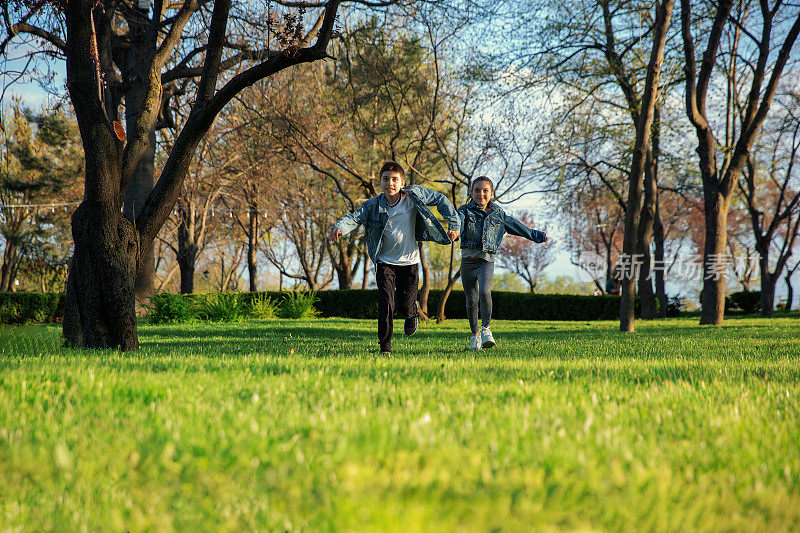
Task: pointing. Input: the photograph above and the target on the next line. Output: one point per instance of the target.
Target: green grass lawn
(288, 425)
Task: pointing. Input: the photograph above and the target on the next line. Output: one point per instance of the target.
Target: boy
(394, 221)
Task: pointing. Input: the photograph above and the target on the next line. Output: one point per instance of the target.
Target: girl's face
(481, 193)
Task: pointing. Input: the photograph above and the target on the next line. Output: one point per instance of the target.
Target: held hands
(453, 235)
(335, 234)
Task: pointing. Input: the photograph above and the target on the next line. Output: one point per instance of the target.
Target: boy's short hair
(481, 178)
(392, 166)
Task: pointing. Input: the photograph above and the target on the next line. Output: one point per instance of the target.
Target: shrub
(746, 302)
(298, 305)
(219, 307)
(262, 306)
(18, 308)
(348, 303)
(674, 305)
(11, 313)
(170, 309)
(30, 307)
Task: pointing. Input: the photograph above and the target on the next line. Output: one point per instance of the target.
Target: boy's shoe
(487, 339)
(385, 354)
(475, 342)
(410, 327)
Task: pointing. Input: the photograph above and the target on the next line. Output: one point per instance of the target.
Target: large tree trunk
(252, 249)
(143, 178)
(658, 228)
(641, 147)
(100, 301)
(609, 245)
(6, 274)
(789, 290)
(768, 282)
(424, 291)
(187, 249)
(138, 189)
(713, 295)
(99, 305)
(769, 279)
(343, 267)
(365, 278)
(645, 235)
(660, 270)
(345, 277)
(445, 295)
(451, 280)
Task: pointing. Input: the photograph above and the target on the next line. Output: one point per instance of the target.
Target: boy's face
(481, 193)
(392, 182)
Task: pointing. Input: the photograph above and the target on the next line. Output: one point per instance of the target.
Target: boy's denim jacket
(373, 216)
(487, 236)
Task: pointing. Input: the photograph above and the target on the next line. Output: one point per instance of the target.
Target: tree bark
(658, 228)
(645, 236)
(718, 182)
(99, 309)
(713, 294)
(641, 147)
(6, 274)
(365, 278)
(252, 249)
(451, 280)
(425, 289)
(100, 300)
(445, 295)
(136, 80)
(187, 248)
(660, 270)
(789, 290)
(140, 186)
(343, 265)
(769, 279)
(344, 277)
(768, 282)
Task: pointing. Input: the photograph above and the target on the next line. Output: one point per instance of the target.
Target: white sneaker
(487, 339)
(475, 341)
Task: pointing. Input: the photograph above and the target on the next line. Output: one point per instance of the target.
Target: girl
(483, 224)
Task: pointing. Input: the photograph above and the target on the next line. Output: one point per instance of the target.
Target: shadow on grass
(340, 338)
(435, 355)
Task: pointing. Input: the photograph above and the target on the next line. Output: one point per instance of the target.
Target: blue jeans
(476, 276)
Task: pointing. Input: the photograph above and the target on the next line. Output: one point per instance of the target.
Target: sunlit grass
(301, 425)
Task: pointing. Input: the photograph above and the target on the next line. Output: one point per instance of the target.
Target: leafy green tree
(42, 166)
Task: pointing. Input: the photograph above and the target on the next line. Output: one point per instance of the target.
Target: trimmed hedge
(30, 307)
(508, 305)
(20, 308)
(745, 302)
(358, 303)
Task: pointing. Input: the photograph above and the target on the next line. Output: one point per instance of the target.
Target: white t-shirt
(399, 245)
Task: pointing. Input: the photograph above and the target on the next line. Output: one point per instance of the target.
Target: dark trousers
(396, 284)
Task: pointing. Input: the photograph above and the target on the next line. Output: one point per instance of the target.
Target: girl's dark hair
(392, 166)
(482, 178)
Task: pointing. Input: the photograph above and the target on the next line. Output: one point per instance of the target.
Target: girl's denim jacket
(373, 216)
(485, 233)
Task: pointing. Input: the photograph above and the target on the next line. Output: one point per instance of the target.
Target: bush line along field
(298, 424)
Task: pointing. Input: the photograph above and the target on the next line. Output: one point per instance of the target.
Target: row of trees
(632, 106)
(252, 208)
(593, 105)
